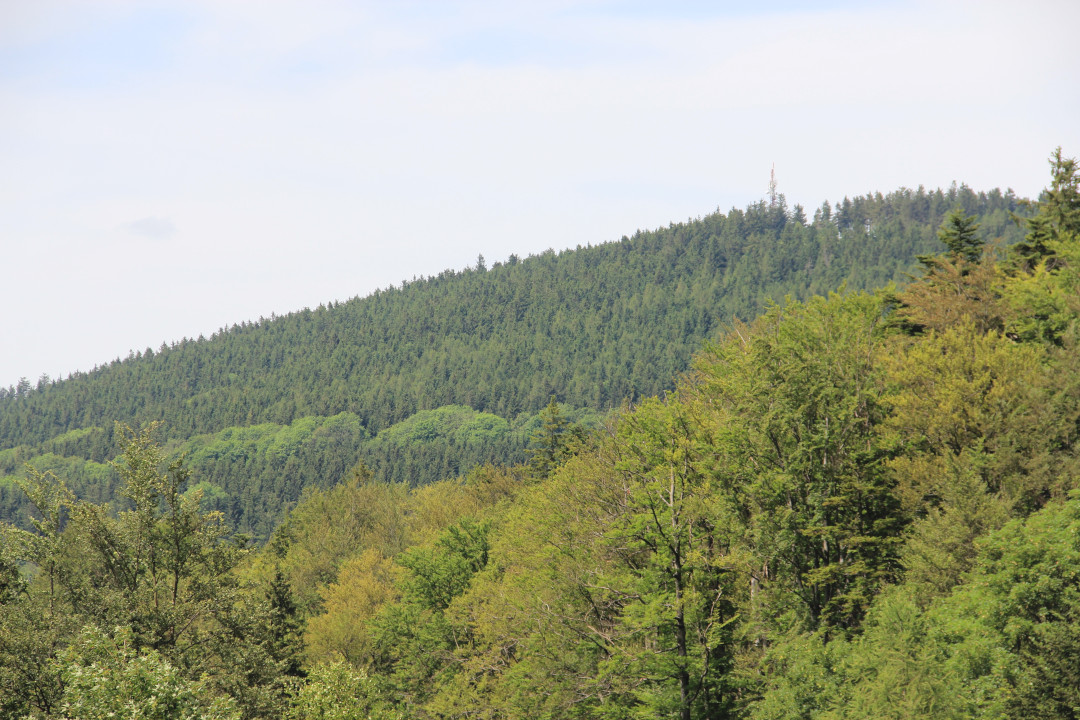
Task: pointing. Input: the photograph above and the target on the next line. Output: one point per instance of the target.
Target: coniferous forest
(265, 409)
(756, 465)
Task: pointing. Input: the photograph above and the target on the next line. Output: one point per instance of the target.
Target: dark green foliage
(594, 325)
(1056, 214)
(249, 474)
(12, 583)
(1059, 204)
(1049, 296)
(285, 626)
(553, 442)
(960, 234)
(799, 531)
(1036, 247)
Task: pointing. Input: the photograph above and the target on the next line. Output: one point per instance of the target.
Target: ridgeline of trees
(594, 326)
(266, 409)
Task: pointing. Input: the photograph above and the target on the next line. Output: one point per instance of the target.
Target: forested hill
(592, 326)
(856, 507)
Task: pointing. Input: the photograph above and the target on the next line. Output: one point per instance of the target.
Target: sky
(171, 168)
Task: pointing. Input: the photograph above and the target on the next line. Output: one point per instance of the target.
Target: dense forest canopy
(265, 409)
(854, 505)
(594, 326)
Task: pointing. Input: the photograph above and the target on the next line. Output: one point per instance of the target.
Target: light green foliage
(964, 392)
(76, 434)
(163, 563)
(853, 507)
(896, 670)
(670, 567)
(1003, 645)
(802, 676)
(456, 422)
(435, 507)
(977, 421)
(441, 443)
(35, 618)
(940, 545)
(160, 571)
(609, 591)
(1015, 626)
(954, 292)
(12, 582)
(536, 635)
(336, 549)
(329, 527)
(1045, 302)
(100, 478)
(450, 441)
(341, 632)
(1045, 295)
(280, 460)
(414, 641)
(441, 573)
(338, 691)
(211, 496)
(105, 678)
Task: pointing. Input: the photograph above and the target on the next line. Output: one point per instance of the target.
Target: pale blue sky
(168, 168)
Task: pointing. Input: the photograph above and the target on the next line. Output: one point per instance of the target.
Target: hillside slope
(592, 326)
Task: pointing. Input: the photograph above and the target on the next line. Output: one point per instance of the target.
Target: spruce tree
(960, 235)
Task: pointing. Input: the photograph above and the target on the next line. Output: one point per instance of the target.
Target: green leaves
(1003, 645)
(815, 524)
(793, 401)
(1044, 295)
(441, 573)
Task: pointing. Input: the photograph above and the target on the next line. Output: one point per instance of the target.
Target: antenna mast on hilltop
(772, 186)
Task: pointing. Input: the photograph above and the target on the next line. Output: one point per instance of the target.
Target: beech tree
(793, 406)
